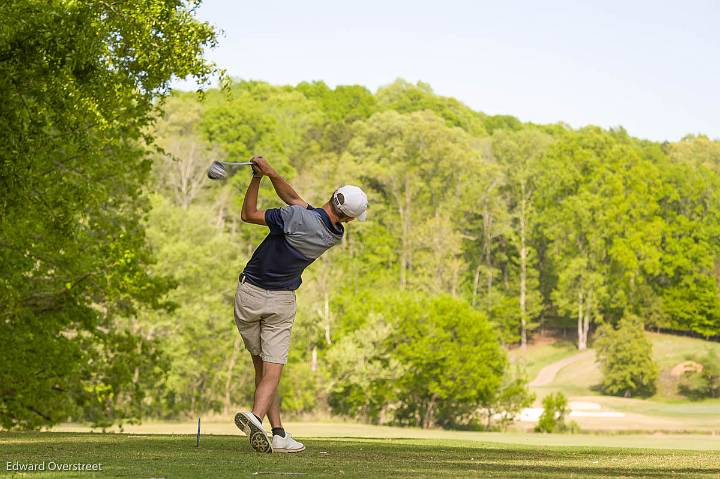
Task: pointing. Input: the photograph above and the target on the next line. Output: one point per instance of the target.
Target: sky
(650, 67)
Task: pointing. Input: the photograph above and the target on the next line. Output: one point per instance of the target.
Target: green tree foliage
(688, 279)
(194, 251)
(363, 373)
(404, 97)
(254, 117)
(80, 81)
(454, 363)
(625, 357)
(601, 216)
(502, 123)
(341, 107)
(519, 154)
(413, 163)
(344, 104)
(417, 361)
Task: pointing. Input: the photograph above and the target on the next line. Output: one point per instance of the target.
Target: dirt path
(548, 373)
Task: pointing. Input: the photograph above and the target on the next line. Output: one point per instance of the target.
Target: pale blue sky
(651, 67)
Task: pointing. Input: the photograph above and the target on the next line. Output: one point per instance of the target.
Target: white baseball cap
(352, 201)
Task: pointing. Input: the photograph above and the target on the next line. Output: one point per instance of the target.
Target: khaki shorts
(264, 319)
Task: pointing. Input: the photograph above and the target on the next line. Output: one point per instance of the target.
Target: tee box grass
(175, 456)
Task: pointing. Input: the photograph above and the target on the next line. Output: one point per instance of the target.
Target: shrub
(453, 358)
(419, 361)
(625, 357)
(555, 409)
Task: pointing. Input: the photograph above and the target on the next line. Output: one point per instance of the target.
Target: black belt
(245, 279)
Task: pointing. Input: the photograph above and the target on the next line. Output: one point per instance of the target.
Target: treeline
(475, 220)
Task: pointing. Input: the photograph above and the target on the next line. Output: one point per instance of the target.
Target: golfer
(265, 298)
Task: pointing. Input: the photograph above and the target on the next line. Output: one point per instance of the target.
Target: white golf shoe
(248, 423)
(286, 444)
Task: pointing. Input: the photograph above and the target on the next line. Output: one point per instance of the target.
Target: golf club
(218, 170)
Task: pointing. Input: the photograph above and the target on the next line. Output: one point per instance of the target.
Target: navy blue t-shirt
(298, 236)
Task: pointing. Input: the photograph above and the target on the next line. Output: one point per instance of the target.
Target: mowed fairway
(175, 456)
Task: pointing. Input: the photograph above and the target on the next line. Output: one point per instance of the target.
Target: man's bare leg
(266, 389)
(273, 413)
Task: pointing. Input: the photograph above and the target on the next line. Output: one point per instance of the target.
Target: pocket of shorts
(288, 299)
(247, 296)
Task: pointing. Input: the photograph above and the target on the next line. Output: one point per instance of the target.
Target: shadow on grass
(231, 456)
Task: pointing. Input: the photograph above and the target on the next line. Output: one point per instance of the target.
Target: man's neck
(328, 209)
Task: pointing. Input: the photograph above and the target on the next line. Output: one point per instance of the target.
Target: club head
(217, 171)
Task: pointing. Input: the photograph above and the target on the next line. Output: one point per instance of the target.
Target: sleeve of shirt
(274, 221)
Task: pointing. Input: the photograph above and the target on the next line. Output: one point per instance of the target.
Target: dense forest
(482, 229)
(120, 259)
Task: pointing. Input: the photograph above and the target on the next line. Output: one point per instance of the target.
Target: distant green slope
(579, 377)
(670, 350)
(666, 411)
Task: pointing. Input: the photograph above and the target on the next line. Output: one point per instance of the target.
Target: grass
(579, 377)
(669, 350)
(540, 354)
(224, 426)
(123, 455)
(708, 409)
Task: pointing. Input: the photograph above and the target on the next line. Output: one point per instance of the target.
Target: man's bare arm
(282, 187)
(286, 192)
(250, 213)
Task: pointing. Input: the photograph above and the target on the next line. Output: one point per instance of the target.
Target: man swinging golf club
(265, 298)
